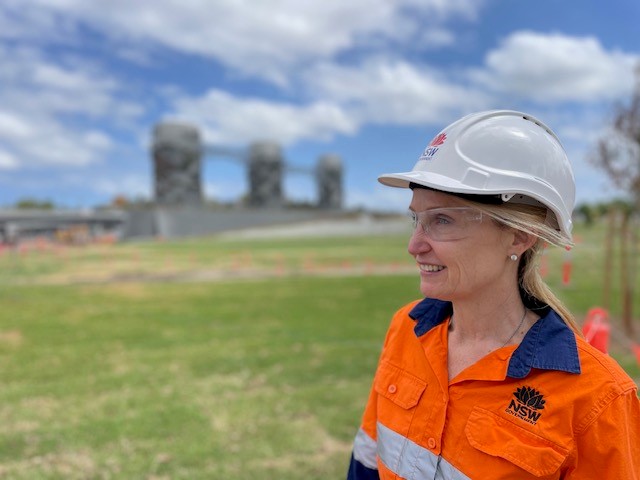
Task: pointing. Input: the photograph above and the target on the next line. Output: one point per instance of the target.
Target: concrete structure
(180, 209)
(266, 167)
(177, 158)
(178, 153)
(329, 181)
(176, 222)
(17, 224)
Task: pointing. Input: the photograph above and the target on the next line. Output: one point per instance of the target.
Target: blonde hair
(532, 219)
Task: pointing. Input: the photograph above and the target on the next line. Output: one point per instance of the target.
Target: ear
(522, 241)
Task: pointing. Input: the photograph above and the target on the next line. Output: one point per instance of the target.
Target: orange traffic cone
(596, 328)
(636, 351)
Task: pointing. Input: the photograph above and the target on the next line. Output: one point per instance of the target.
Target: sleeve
(364, 464)
(610, 447)
(364, 459)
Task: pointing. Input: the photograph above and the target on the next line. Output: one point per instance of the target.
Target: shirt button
(431, 443)
(392, 388)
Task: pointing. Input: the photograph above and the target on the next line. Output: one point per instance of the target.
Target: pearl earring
(514, 257)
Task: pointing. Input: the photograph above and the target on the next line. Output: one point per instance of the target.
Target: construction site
(178, 207)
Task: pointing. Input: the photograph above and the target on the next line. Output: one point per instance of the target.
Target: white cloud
(556, 67)
(57, 144)
(343, 99)
(51, 76)
(437, 37)
(267, 39)
(14, 126)
(33, 81)
(50, 142)
(396, 92)
(7, 161)
(30, 22)
(50, 110)
(227, 119)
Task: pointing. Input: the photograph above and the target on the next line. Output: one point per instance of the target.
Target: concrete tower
(265, 175)
(177, 157)
(329, 181)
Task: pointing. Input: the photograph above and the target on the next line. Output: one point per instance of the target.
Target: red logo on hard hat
(438, 140)
(432, 148)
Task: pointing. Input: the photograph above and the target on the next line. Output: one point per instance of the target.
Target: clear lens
(443, 224)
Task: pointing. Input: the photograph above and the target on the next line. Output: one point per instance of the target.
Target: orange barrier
(596, 329)
(636, 351)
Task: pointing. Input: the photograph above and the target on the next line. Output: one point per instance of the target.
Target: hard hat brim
(426, 179)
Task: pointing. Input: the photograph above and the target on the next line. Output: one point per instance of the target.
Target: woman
(488, 377)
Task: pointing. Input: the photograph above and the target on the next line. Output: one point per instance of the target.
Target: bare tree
(618, 154)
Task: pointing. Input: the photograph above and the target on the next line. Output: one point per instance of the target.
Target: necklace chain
(517, 328)
(524, 315)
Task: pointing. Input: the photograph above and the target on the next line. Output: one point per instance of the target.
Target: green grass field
(205, 358)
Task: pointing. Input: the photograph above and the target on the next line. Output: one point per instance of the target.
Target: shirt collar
(548, 345)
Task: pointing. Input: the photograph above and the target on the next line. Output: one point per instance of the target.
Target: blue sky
(83, 82)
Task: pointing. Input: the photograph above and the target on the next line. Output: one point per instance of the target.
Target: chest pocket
(502, 439)
(398, 394)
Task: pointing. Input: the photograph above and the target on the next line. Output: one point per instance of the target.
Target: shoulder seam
(600, 407)
(613, 369)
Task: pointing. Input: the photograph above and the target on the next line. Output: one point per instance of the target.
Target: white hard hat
(501, 153)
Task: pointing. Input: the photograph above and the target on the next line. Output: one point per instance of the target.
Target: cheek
(465, 270)
(476, 263)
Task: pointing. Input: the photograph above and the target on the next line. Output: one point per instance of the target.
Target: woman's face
(472, 259)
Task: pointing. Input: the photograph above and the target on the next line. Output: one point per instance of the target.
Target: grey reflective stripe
(449, 472)
(364, 450)
(411, 461)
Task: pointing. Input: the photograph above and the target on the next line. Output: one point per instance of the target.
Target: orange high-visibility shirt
(552, 407)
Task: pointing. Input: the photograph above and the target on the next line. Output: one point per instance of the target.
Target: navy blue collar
(549, 345)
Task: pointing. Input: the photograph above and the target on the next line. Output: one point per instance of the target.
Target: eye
(413, 216)
(441, 219)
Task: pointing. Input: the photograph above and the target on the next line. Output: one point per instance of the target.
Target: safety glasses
(445, 224)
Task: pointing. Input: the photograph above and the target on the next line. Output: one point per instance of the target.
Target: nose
(419, 242)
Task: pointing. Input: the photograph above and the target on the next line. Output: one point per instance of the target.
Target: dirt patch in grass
(11, 338)
(69, 465)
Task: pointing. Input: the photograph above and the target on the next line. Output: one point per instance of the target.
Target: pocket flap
(397, 385)
(499, 437)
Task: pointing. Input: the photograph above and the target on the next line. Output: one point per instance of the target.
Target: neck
(487, 318)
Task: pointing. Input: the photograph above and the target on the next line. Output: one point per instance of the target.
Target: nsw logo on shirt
(527, 404)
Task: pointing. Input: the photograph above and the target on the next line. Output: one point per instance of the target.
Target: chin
(429, 291)
(432, 293)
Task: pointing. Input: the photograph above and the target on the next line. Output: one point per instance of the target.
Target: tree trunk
(625, 271)
(633, 267)
(608, 258)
